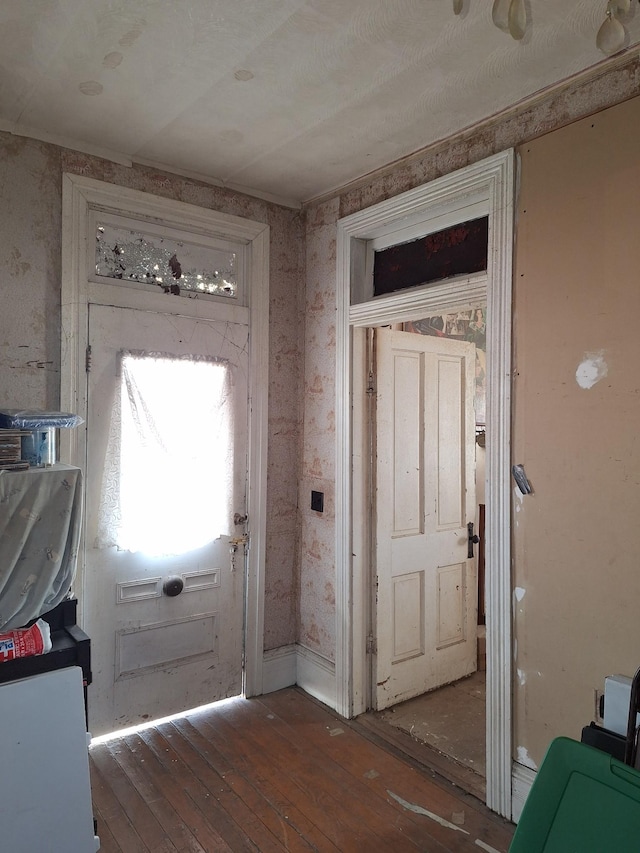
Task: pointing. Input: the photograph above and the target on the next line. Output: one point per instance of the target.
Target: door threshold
(420, 754)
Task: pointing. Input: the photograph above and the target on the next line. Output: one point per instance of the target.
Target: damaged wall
(575, 295)
(30, 224)
(576, 416)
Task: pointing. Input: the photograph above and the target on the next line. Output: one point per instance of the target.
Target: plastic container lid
(33, 419)
(582, 801)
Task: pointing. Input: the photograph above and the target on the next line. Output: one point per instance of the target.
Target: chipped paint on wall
(525, 759)
(522, 677)
(591, 369)
(519, 593)
(519, 496)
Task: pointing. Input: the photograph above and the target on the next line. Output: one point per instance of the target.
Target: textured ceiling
(281, 97)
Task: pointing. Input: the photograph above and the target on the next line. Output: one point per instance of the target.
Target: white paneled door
(426, 611)
(166, 474)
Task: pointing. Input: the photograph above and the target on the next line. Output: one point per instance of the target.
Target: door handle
(173, 586)
(472, 539)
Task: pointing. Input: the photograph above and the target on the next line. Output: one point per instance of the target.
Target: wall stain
(316, 386)
(315, 469)
(132, 36)
(330, 596)
(113, 59)
(312, 635)
(315, 550)
(16, 265)
(317, 304)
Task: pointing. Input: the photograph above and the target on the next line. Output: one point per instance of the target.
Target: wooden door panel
(155, 654)
(408, 428)
(408, 616)
(451, 605)
(425, 495)
(447, 437)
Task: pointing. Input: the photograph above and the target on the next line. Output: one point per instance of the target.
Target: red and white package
(24, 642)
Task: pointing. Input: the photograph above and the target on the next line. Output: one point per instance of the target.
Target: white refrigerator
(45, 789)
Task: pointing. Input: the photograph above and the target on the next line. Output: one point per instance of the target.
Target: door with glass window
(165, 512)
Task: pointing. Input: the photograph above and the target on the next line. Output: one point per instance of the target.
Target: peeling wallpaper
(30, 224)
(317, 544)
(30, 218)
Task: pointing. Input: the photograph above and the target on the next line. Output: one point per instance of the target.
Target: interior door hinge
(371, 384)
(372, 645)
(87, 359)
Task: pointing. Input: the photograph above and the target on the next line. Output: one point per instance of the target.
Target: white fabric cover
(40, 515)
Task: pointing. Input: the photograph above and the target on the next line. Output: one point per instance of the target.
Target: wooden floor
(276, 773)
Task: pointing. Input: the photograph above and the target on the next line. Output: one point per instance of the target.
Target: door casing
(80, 196)
(484, 188)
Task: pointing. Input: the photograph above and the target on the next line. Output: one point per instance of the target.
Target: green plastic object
(582, 801)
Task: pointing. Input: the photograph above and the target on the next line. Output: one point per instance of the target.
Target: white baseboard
(279, 668)
(522, 779)
(317, 675)
(296, 664)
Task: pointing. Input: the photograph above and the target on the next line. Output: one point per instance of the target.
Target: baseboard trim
(316, 675)
(279, 668)
(522, 779)
(296, 664)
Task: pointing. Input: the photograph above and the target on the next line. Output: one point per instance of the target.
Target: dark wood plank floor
(277, 773)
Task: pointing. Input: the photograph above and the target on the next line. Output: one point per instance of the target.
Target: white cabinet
(45, 790)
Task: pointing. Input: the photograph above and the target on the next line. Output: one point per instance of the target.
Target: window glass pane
(458, 250)
(169, 263)
(168, 477)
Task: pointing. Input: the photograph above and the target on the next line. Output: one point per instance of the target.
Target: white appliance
(617, 696)
(45, 789)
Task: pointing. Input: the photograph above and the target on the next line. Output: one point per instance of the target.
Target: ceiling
(288, 99)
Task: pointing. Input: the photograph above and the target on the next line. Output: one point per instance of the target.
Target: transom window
(143, 253)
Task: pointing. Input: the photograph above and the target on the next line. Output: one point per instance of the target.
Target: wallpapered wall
(575, 302)
(30, 224)
(575, 582)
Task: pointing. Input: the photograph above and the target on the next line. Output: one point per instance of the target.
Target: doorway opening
(444, 720)
(483, 189)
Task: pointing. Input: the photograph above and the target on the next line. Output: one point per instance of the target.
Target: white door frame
(80, 195)
(485, 188)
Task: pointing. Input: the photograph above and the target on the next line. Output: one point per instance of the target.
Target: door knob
(173, 586)
(472, 539)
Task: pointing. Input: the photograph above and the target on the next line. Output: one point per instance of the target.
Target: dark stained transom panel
(458, 250)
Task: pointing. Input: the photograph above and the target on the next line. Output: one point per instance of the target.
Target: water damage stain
(113, 59)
